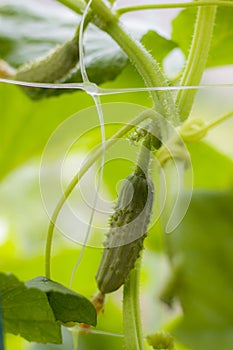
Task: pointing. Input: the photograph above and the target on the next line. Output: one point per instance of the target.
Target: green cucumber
(128, 229)
(49, 69)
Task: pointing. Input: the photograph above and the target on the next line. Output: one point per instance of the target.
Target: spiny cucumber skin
(127, 232)
(49, 69)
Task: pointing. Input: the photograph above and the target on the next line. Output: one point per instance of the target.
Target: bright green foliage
(201, 255)
(204, 159)
(221, 51)
(36, 309)
(67, 305)
(26, 311)
(27, 125)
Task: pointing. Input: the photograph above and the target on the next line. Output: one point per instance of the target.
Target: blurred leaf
(157, 45)
(67, 305)
(104, 59)
(38, 31)
(15, 342)
(201, 255)
(99, 341)
(182, 29)
(204, 160)
(67, 343)
(29, 30)
(1, 325)
(63, 262)
(27, 312)
(221, 51)
(26, 125)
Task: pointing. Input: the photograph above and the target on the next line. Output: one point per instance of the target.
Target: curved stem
(98, 153)
(122, 10)
(147, 67)
(197, 57)
(145, 64)
(218, 121)
(195, 129)
(131, 311)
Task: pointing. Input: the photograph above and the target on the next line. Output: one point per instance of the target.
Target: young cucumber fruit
(49, 69)
(128, 229)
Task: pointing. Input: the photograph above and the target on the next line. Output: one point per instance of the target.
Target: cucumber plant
(160, 132)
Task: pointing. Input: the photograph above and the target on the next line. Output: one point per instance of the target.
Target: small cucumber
(128, 229)
(49, 69)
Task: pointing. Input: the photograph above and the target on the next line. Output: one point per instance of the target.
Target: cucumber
(49, 69)
(128, 229)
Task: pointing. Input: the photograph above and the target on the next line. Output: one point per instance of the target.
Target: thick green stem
(147, 67)
(123, 10)
(197, 58)
(131, 311)
(144, 157)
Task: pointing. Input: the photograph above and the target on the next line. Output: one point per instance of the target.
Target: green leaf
(39, 31)
(104, 60)
(221, 50)
(67, 305)
(100, 341)
(26, 125)
(26, 311)
(182, 29)
(204, 159)
(158, 46)
(67, 342)
(201, 255)
(29, 30)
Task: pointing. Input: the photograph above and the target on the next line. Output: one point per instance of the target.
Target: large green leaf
(26, 311)
(204, 159)
(67, 305)
(29, 29)
(221, 51)
(38, 31)
(104, 59)
(201, 255)
(26, 126)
